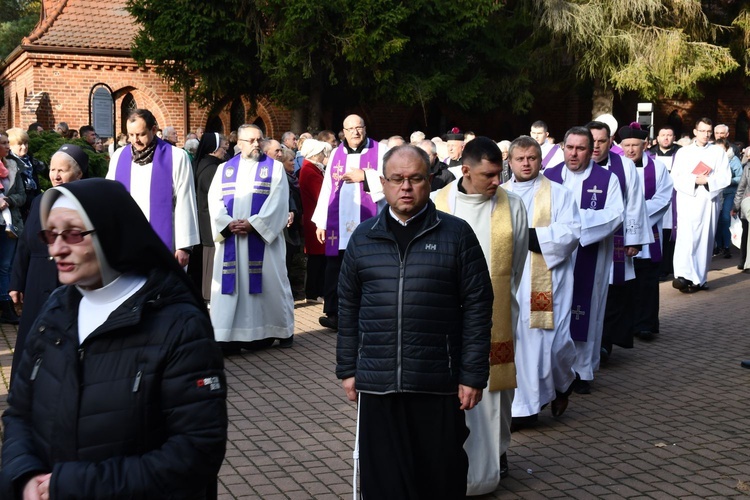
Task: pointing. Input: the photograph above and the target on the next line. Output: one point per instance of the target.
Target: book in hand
(702, 169)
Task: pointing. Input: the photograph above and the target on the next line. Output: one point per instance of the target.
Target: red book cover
(702, 169)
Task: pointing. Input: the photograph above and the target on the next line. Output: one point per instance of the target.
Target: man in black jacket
(415, 312)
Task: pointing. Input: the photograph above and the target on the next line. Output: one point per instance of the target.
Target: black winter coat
(136, 411)
(33, 274)
(421, 324)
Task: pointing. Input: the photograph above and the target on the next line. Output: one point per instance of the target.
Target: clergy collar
(359, 149)
(410, 219)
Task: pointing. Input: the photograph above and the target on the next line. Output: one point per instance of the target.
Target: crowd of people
(472, 284)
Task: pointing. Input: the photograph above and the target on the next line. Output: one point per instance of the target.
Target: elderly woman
(120, 392)
(30, 167)
(34, 275)
(310, 182)
(12, 199)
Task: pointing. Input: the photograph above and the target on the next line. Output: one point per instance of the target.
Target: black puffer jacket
(418, 325)
(137, 411)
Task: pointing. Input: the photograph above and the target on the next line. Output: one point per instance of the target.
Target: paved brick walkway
(667, 419)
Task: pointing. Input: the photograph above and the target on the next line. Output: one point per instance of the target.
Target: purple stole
(549, 155)
(255, 245)
(585, 266)
(618, 261)
(160, 198)
(615, 148)
(649, 182)
(367, 208)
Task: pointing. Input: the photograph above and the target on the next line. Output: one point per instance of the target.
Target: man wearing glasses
(414, 337)
(349, 195)
(700, 173)
(248, 201)
(499, 220)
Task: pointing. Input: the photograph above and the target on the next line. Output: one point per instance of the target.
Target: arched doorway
(126, 106)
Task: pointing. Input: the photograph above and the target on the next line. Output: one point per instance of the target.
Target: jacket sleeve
(350, 294)
(193, 399)
(20, 459)
(476, 301)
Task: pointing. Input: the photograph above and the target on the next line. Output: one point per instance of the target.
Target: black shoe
(581, 387)
(727, 253)
(518, 423)
(646, 335)
(503, 466)
(287, 342)
(745, 363)
(691, 289)
(681, 283)
(331, 322)
(560, 403)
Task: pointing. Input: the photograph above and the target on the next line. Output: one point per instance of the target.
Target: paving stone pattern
(667, 419)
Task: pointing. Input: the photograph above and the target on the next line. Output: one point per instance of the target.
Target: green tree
(18, 19)
(303, 53)
(657, 48)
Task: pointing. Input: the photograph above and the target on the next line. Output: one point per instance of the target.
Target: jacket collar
(379, 225)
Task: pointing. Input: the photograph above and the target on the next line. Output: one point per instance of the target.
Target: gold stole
(541, 315)
(502, 362)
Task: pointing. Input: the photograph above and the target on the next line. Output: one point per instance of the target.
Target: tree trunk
(298, 120)
(602, 99)
(315, 104)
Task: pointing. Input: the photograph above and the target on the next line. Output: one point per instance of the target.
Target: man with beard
(251, 300)
(159, 177)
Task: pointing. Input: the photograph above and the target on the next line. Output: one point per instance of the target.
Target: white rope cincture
(355, 454)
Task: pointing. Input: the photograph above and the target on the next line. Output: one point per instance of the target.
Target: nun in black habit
(120, 392)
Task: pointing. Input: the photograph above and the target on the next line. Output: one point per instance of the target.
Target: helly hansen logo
(210, 382)
(430, 246)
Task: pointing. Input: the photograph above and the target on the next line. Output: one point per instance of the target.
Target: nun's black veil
(127, 240)
(208, 144)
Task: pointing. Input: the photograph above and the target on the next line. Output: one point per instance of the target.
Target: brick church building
(76, 67)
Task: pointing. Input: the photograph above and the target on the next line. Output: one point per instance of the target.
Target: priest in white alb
(545, 352)
(597, 193)
(700, 173)
(499, 221)
(248, 202)
(160, 180)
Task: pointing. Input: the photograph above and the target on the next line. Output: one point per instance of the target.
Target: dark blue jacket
(421, 324)
(136, 411)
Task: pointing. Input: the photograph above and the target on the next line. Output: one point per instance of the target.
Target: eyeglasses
(70, 236)
(250, 140)
(352, 129)
(414, 180)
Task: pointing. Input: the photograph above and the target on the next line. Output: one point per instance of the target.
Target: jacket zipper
(35, 370)
(399, 314)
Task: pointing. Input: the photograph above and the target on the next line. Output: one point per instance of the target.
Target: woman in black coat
(34, 275)
(211, 153)
(120, 392)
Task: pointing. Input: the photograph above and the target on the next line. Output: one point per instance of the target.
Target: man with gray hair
(416, 138)
(248, 201)
(440, 176)
(169, 134)
(289, 140)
